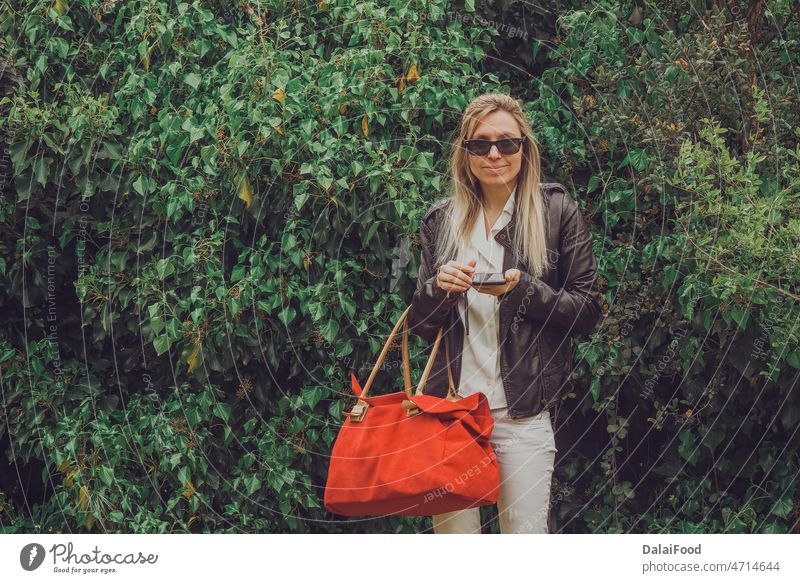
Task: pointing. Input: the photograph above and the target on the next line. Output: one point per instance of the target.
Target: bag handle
(452, 388)
(403, 321)
(452, 391)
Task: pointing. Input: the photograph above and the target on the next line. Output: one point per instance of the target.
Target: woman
(510, 341)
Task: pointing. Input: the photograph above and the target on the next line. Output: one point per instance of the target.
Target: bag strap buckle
(358, 411)
(411, 408)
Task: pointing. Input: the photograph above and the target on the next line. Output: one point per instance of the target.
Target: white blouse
(480, 361)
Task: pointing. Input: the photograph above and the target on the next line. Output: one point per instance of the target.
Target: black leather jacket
(537, 317)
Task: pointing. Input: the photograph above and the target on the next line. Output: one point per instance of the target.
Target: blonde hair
(465, 201)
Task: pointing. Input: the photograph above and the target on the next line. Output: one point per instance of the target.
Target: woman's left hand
(512, 279)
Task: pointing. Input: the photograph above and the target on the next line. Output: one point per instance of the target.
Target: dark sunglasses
(482, 147)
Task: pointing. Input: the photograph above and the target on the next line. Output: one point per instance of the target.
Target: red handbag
(412, 454)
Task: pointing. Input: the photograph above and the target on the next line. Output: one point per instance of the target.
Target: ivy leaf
(107, 475)
(325, 180)
(223, 411)
(594, 388)
(782, 507)
(317, 310)
(349, 307)
(253, 483)
(244, 190)
(330, 330)
(193, 80)
(195, 132)
(142, 185)
(41, 168)
(425, 160)
(161, 344)
(183, 475)
(312, 396)
(300, 200)
(670, 275)
(193, 359)
(286, 316)
(636, 158)
(164, 268)
(741, 315)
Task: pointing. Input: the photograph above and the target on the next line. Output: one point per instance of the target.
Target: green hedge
(211, 214)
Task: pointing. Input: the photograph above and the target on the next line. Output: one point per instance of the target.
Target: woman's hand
(512, 279)
(456, 277)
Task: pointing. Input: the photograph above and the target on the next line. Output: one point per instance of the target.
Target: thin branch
(758, 281)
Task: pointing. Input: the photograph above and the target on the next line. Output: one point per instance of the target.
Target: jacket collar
(504, 235)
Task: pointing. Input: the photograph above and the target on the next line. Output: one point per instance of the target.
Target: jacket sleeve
(576, 307)
(430, 303)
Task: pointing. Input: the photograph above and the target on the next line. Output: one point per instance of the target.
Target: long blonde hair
(465, 201)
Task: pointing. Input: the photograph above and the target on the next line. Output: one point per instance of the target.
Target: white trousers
(526, 451)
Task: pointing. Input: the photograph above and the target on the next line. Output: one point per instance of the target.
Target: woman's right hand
(456, 277)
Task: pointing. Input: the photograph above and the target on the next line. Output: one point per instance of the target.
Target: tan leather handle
(452, 388)
(385, 351)
(452, 391)
(403, 321)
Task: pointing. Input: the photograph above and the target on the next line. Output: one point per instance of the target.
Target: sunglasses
(482, 147)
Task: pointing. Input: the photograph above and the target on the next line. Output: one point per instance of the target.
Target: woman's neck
(495, 198)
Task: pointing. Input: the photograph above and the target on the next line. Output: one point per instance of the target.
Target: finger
(454, 280)
(463, 267)
(459, 275)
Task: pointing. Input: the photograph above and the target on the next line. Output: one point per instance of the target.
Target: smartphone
(485, 278)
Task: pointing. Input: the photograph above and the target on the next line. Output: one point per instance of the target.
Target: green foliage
(677, 128)
(206, 201)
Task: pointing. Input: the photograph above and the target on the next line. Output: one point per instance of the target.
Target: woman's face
(495, 169)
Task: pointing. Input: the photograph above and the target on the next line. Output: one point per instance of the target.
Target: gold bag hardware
(410, 407)
(358, 411)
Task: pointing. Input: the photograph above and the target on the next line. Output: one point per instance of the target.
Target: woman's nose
(494, 152)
